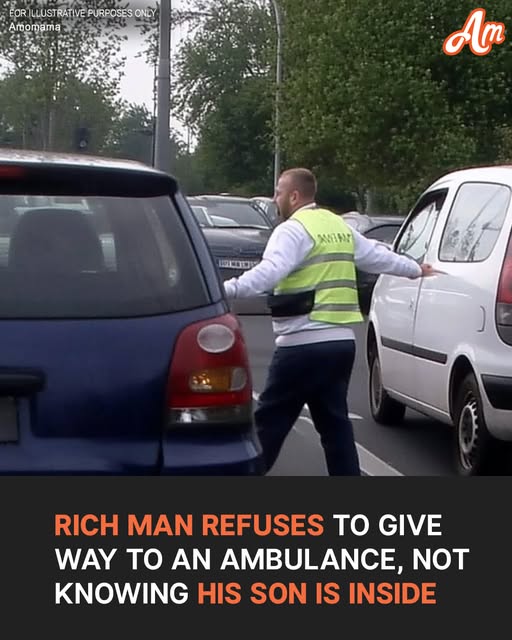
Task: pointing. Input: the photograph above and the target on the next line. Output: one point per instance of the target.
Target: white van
(443, 345)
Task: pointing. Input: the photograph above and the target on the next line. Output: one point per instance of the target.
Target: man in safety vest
(310, 265)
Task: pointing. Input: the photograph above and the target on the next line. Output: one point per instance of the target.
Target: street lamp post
(162, 156)
(279, 67)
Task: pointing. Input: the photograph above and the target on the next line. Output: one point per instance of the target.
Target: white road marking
(371, 465)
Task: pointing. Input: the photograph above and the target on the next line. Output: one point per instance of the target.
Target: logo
(477, 33)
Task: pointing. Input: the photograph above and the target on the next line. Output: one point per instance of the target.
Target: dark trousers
(317, 375)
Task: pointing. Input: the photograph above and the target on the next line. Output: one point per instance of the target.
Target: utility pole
(162, 157)
(277, 97)
(279, 72)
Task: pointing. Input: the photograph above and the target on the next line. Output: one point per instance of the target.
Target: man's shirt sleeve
(287, 247)
(374, 257)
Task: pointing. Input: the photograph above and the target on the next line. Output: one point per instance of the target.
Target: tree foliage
(66, 63)
(75, 46)
(223, 92)
(370, 102)
(229, 44)
(32, 125)
(370, 96)
(132, 133)
(66, 77)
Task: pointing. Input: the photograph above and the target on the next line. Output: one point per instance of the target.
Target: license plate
(8, 420)
(236, 264)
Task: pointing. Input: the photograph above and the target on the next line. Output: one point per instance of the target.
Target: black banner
(239, 556)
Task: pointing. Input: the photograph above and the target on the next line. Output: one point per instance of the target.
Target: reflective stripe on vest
(328, 269)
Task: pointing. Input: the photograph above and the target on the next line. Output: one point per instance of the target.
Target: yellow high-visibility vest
(328, 269)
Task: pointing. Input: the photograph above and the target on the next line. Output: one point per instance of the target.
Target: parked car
(383, 229)
(118, 351)
(358, 221)
(443, 345)
(269, 207)
(237, 231)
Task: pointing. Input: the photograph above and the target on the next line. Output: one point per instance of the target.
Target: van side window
(416, 234)
(474, 222)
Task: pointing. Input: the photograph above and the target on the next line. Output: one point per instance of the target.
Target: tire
(385, 410)
(476, 452)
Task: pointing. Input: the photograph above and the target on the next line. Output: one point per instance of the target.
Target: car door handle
(411, 304)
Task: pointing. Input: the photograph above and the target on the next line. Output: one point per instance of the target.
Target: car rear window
(232, 214)
(357, 221)
(95, 257)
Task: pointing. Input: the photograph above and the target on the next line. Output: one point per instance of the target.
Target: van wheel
(476, 451)
(385, 410)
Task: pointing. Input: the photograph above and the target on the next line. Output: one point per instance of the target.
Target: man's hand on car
(428, 270)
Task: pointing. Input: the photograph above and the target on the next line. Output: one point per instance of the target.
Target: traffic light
(82, 136)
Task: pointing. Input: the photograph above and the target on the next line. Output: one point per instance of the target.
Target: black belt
(291, 304)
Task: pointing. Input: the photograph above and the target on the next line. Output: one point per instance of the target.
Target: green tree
(370, 96)
(76, 104)
(71, 54)
(225, 89)
(131, 135)
(189, 173)
(222, 89)
(234, 148)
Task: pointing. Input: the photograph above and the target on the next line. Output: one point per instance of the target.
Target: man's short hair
(302, 180)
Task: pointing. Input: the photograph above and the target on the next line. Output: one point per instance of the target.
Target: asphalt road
(418, 447)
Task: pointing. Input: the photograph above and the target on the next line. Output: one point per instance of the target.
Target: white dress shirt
(286, 249)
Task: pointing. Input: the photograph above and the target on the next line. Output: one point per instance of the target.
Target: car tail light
(504, 297)
(209, 377)
(12, 171)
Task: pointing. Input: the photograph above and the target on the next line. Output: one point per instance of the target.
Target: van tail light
(209, 380)
(504, 297)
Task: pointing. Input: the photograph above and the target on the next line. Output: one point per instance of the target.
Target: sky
(138, 82)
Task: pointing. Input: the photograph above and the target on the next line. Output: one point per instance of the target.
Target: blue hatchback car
(118, 353)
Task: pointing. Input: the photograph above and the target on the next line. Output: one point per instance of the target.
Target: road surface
(418, 447)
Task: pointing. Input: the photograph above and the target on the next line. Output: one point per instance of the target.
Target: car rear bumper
(237, 455)
(252, 467)
(497, 404)
(78, 456)
(499, 391)
(184, 454)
